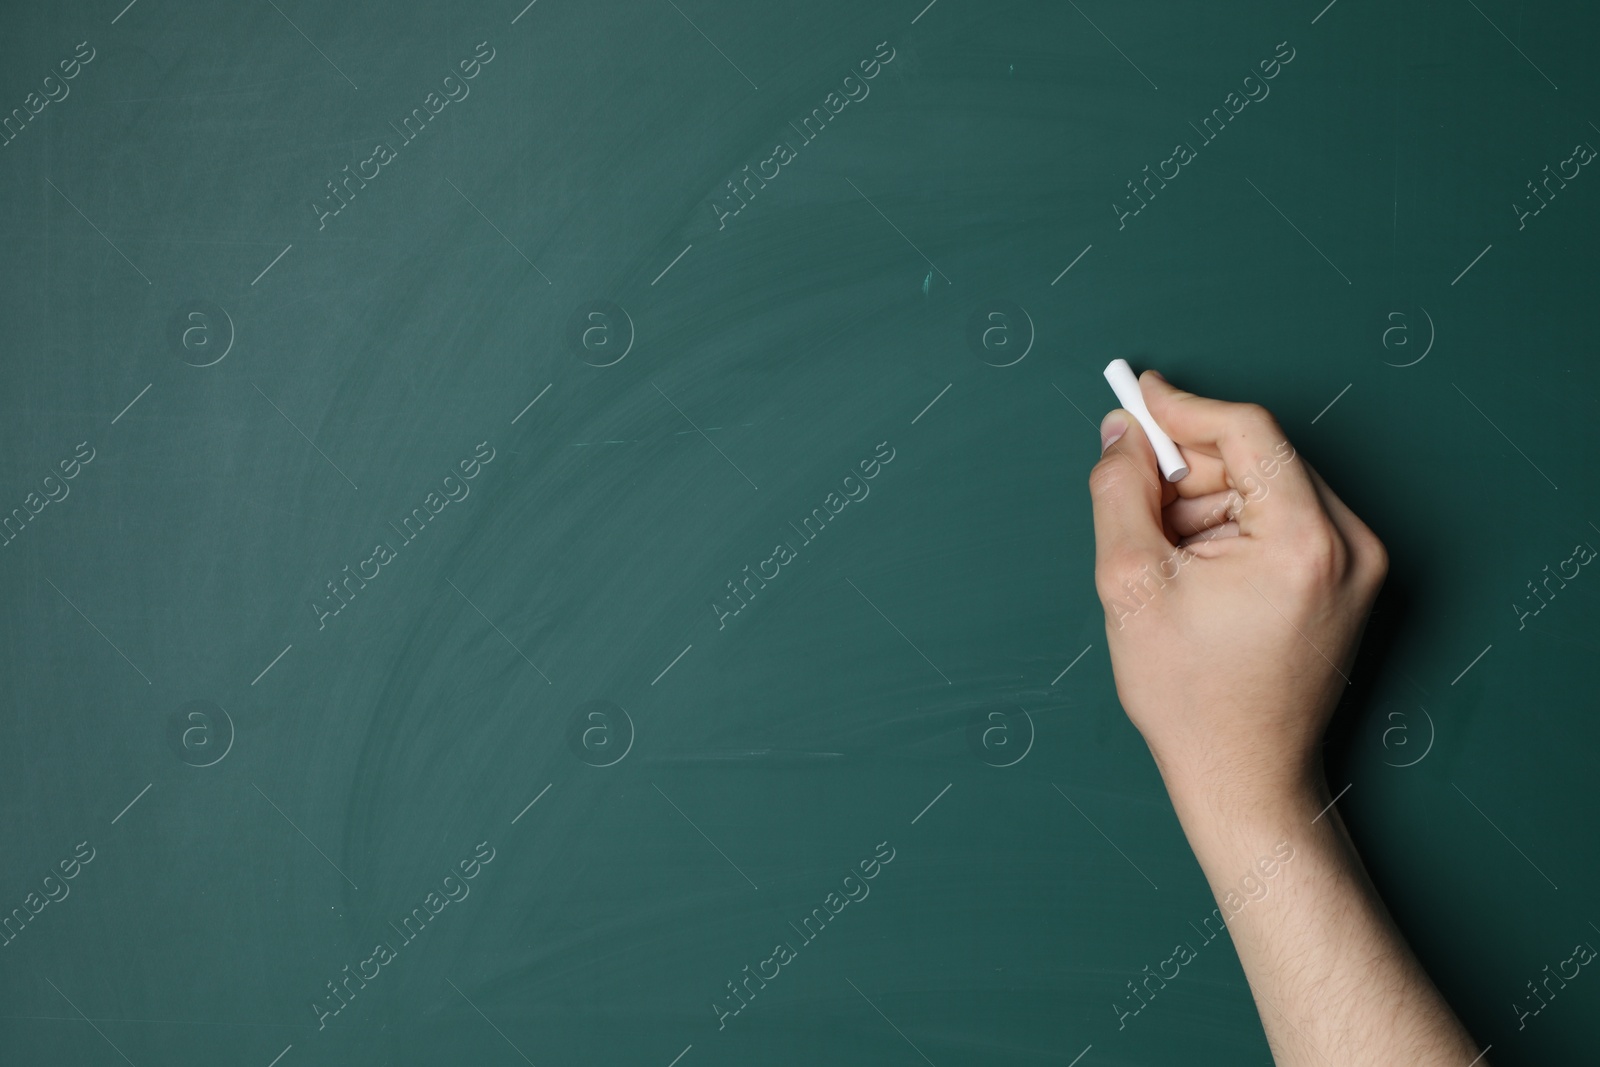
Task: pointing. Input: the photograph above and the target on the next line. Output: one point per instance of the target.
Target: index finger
(1259, 459)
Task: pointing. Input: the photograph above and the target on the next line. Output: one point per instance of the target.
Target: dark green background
(798, 338)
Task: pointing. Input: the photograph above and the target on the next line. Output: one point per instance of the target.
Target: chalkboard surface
(558, 534)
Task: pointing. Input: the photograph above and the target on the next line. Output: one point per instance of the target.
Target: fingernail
(1157, 374)
(1113, 426)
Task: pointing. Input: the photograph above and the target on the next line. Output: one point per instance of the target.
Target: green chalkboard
(558, 533)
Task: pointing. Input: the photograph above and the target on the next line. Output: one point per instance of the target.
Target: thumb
(1126, 489)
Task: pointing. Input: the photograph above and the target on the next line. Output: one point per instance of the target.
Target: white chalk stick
(1126, 385)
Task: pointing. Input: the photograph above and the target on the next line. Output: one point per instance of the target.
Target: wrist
(1244, 802)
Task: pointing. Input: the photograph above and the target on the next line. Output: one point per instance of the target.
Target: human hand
(1234, 598)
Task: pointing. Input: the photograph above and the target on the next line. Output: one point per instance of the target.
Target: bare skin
(1234, 600)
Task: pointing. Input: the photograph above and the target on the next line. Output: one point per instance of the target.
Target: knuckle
(1107, 477)
(1131, 578)
(1115, 569)
(1369, 558)
(1317, 558)
(1377, 559)
(1256, 417)
(1108, 572)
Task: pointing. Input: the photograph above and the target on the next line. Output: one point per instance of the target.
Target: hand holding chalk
(1126, 386)
(1229, 656)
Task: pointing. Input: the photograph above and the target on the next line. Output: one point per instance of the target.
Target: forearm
(1334, 981)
